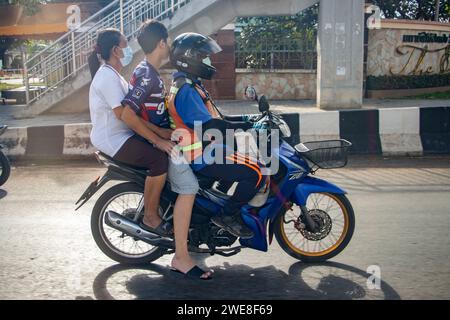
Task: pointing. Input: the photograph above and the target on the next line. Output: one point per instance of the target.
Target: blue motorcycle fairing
(295, 186)
(297, 169)
(208, 205)
(313, 185)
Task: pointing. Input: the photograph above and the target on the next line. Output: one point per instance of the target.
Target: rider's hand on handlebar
(260, 125)
(250, 117)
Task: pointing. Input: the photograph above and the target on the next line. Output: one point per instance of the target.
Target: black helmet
(189, 51)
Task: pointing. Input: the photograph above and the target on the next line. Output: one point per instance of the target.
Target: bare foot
(186, 264)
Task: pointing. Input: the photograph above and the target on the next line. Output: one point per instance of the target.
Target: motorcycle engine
(221, 238)
(211, 235)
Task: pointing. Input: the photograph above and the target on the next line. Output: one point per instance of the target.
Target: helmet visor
(209, 47)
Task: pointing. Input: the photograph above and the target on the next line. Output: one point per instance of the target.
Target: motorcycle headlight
(284, 128)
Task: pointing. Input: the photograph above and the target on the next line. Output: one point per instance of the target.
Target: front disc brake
(324, 223)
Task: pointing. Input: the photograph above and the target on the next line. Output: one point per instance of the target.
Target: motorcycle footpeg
(227, 254)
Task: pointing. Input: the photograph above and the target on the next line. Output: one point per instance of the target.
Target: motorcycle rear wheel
(102, 233)
(303, 250)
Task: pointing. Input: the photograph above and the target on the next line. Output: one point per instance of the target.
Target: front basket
(328, 154)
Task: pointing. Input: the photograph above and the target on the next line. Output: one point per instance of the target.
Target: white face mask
(127, 56)
(207, 61)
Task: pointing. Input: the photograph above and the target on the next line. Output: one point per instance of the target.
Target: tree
(280, 26)
(414, 9)
(30, 7)
(263, 41)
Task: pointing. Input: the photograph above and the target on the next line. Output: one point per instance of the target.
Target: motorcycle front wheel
(336, 220)
(5, 168)
(124, 199)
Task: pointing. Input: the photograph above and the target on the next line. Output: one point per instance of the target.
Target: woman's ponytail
(93, 62)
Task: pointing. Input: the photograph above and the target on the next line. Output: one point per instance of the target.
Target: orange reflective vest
(188, 140)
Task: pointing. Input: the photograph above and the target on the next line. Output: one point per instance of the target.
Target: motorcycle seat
(123, 166)
(206, 183)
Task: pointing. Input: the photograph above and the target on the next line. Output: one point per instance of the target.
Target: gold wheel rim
(328, 250)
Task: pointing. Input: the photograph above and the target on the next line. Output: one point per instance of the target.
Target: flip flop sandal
(195, 273)
(164, 229)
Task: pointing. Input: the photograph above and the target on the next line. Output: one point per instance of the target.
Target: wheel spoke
(316, 202)
(329, 204)
(336, 216)
(339, 223)
(332, 238)
(320, 199)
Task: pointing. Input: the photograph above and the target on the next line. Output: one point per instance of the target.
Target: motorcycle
(5, 166)
(311, 219)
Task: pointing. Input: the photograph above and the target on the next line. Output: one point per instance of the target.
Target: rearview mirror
(250, 93)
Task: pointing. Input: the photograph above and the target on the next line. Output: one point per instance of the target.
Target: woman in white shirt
(124, 136)
(116, 136)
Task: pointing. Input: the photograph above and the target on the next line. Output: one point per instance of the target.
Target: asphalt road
(402, 209)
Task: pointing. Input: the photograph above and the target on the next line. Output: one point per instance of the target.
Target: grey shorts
(181, 177)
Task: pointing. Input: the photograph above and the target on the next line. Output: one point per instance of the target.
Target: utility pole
(436, 16)
(121, 16)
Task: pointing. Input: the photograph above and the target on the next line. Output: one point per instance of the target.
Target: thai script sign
(425, 37)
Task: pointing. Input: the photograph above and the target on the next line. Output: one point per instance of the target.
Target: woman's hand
(165, 145)
(162, 132)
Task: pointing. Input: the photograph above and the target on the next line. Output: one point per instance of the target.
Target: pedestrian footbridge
(62, 67)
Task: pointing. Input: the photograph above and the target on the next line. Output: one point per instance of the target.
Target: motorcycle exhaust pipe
(132, 229)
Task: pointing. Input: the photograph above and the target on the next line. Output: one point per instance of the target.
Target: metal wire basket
(327, 154)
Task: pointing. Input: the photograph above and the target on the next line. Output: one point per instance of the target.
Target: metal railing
(69, 54)
(284, 53)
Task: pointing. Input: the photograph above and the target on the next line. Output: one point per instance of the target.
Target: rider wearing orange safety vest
(188, 140)
(189, 104)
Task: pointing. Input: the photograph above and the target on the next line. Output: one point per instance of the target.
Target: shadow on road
(3, 193)
(303, 281)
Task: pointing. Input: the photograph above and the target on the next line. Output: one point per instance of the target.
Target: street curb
(393, 132)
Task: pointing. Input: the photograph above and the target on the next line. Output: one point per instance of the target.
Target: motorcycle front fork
(309, 222)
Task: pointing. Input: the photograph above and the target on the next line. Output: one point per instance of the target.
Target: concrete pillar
(340, 54)
(223, 85)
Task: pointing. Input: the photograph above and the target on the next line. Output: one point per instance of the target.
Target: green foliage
(30, 46)
(304, 22)
(259, 33)
(431, 96)
(7, 86)
(414, 9)
(407, 82)
(30, 7)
